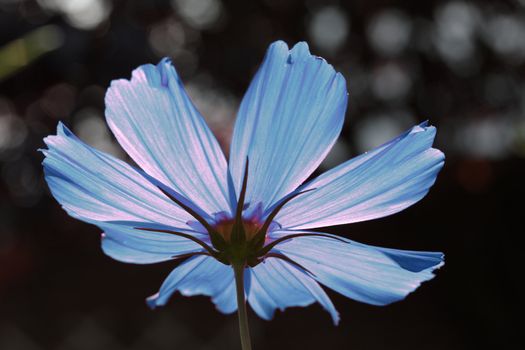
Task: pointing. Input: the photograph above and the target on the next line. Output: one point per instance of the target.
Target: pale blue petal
(288, 120)
(129, 245)
(156, 123)
(376, 184)
(200, 275)
(372, 275)
(414, 261)
(95, 187)
(275, 284)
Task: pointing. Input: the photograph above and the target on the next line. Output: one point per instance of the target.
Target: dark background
(458, 64)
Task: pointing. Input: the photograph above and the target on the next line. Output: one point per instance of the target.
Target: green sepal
(238, 235)
(217, 240)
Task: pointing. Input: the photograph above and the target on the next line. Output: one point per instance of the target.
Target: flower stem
(238, 270)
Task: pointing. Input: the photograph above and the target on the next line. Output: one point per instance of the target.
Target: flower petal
(275, 284)
(144, 247)
(375, 184)
(156, 123)
(288, 120)
(200, 275)
(95, 187)
(372, 275)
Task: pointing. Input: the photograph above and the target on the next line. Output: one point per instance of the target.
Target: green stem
(241, 307)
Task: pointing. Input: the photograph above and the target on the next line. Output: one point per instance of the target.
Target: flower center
(241, 240)
(250, 227)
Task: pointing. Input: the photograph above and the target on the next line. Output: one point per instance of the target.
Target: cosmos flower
(253, 214)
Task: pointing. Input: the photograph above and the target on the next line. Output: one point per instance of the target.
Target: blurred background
(459, 64)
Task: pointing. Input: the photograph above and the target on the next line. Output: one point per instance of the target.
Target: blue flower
(256, 211)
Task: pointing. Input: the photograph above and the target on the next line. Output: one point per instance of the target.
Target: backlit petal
(288, 120)
(376, 184)
(95, 187)
(130, 245)
(200, 275)
(159, 127)
(364, 273)
(275, 284)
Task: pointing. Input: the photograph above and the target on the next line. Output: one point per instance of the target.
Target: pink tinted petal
(378, 183)
(156, 123)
